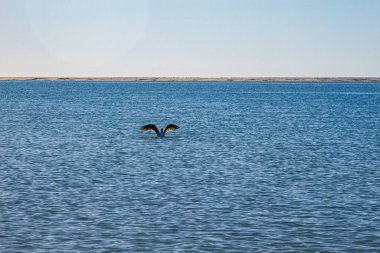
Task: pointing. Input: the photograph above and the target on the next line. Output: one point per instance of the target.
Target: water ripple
(257, 167)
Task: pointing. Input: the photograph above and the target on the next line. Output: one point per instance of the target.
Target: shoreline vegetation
(197, 79)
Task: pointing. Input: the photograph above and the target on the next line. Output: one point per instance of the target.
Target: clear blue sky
(213, 38)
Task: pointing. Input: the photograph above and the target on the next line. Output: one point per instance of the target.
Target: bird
(152, 127)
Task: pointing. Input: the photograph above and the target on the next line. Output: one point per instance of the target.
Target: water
(255, 167)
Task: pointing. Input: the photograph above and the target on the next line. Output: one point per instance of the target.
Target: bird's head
(162, 130)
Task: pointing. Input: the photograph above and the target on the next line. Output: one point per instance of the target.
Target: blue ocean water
(255, 167)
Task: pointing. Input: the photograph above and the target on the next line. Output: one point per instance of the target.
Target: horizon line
(191, 79)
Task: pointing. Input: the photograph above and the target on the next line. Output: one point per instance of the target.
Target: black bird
(152, 127)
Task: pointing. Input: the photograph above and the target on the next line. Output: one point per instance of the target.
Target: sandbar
(197, 79)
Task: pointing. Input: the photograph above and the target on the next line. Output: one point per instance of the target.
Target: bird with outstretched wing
(153, 128)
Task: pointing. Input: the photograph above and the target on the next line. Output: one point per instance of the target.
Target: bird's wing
(170, 127)
(150, 127)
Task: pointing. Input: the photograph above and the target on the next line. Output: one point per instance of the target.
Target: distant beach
(197, 79)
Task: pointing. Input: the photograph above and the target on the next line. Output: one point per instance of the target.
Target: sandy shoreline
(197, 79)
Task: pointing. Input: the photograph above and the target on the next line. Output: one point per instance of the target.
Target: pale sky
(204, 38)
